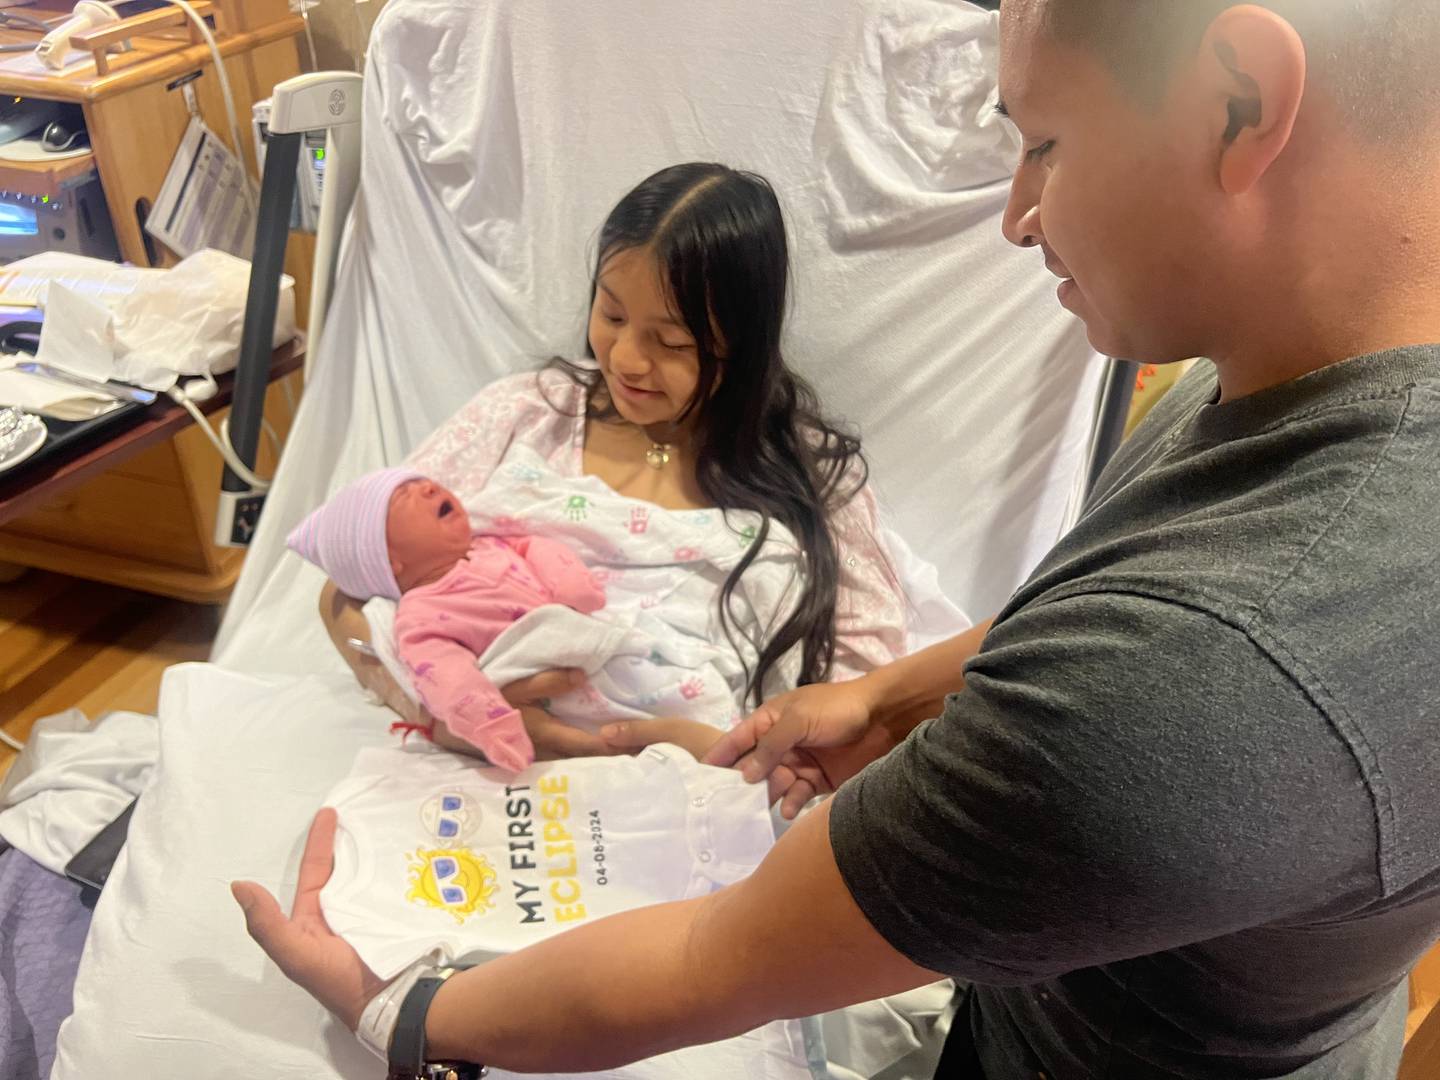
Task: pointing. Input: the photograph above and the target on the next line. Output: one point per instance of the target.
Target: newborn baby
(396, 534)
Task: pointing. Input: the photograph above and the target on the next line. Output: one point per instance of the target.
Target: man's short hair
(1376, 58)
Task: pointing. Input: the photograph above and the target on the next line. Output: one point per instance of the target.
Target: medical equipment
(54, 47)
(309, 174)
(77, 220)
(203, 29)
(326, 101)
(321, 100)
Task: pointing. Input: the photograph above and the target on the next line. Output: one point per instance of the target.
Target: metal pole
(272, 231)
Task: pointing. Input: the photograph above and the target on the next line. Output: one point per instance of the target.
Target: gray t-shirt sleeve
(1089, 797)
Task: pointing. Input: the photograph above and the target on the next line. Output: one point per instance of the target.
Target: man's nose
(1022, 225)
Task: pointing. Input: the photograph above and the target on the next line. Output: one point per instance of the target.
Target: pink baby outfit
(546, 412)
(440, 630)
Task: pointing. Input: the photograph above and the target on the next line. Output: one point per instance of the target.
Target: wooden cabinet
(148, 522)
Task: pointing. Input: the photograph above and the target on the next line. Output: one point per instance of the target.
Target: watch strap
(407, 1044)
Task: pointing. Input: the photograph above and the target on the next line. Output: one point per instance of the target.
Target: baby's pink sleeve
(561, 571)
(458, 693)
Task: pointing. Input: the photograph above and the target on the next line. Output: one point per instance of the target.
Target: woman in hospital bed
(688, 406)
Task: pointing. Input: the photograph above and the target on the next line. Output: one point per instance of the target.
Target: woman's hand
(807, 742)
(303, 946)
(345, 622)
(627, 736)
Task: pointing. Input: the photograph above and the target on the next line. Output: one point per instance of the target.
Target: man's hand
(626, 736)
(808, 742)
(303, 946)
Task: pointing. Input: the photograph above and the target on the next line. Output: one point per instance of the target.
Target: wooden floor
(68, 643)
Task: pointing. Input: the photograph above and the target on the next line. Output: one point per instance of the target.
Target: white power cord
(265, 426)
(302, 8)
(13, 743)
(185, 397)
(181, 395)
(290, 402)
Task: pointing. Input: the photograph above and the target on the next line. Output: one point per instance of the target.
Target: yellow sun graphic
(456, 880)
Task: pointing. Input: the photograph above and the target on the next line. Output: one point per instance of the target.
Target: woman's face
(646, 354)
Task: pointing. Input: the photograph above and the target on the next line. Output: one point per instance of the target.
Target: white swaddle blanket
(658, 647)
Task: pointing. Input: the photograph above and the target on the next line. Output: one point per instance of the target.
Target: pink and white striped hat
(346, 536)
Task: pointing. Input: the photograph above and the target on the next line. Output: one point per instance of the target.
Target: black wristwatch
(407, 1044)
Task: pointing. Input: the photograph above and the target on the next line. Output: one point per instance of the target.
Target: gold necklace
(658, 456)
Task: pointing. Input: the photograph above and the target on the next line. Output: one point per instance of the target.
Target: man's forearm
(597, 997)
(787, 942)
(913, 689)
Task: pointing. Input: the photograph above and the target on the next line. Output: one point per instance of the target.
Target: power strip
(237, 517)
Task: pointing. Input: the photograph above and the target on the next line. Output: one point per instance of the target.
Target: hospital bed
(495, 138)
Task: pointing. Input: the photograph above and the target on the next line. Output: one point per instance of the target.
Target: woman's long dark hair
(761, 444)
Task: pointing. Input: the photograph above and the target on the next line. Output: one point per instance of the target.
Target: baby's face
(427, 532)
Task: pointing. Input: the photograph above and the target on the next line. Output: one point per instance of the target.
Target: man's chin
(1106, 341)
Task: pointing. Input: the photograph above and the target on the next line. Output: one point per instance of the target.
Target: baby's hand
(692, 736)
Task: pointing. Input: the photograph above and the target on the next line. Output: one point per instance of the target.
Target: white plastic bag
(187, 321)
(148, 327)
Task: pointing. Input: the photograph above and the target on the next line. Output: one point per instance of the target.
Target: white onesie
(438, 855)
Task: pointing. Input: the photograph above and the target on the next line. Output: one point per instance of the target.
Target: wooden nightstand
(144, 517)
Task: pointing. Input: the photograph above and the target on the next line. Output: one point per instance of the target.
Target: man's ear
(1255, 63)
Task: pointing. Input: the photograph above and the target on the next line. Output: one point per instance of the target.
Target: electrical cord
(270, 434)
(14, 20)
(290, 402)
(302, 8)
(20, 21)
(221, 441)
(13, 743)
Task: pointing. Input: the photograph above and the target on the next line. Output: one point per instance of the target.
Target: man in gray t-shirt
(1179, 815)
(1183, 819)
